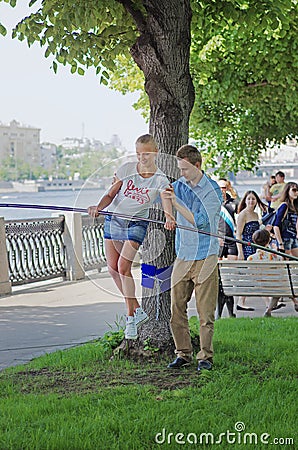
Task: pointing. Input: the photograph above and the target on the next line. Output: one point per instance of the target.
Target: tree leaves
(3, 30)
(80, 35)
(245, 77)
(243, 62)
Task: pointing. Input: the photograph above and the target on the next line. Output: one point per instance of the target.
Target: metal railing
(35, 249)
(93, 242)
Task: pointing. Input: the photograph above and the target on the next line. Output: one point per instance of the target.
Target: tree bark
(162, 52)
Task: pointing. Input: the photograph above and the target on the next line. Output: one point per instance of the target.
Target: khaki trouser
(201, 276)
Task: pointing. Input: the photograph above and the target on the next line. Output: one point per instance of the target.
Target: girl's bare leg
(113, 250)
(126, 258)
(242, 301)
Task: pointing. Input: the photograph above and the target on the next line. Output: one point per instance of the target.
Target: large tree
(243, 62)
(212, 54)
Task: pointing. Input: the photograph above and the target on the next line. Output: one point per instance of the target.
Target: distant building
(20, 142)
(81, 145)
(48, 155)
(281, 153)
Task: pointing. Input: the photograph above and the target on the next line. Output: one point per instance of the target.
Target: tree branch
(136, 14)
(253, 85)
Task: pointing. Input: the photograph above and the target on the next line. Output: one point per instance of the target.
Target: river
(77, 199)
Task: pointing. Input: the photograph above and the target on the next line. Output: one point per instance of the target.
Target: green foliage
(149, 347)
(80, 34)
(194, 327)
(243, 63)
(71, 161)
(111, 340)
(127, 77)
(18, 169)
(3, 30)
(68, 162)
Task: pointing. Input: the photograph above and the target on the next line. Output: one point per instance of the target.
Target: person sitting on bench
(262, 238)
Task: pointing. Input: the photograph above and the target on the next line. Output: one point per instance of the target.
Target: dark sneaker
(204, 365)
(178, 363)
(280, 305)
(244, 308)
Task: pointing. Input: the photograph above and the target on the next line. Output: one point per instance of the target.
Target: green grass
(82, 399)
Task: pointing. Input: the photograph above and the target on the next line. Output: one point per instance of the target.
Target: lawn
(83, 399)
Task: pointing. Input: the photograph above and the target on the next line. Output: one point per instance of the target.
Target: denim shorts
(119, 229)
(290, 243)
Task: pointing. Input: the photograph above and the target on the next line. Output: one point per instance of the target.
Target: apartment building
(48, 155)
(20, 142)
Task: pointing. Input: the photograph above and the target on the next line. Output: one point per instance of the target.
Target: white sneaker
(131, 329)
(140, 317)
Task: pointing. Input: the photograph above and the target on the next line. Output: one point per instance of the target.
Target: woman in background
(286, 223)
(247, 224)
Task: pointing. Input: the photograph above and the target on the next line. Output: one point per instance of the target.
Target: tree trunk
(162, 52)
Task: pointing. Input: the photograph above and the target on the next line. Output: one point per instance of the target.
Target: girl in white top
(135, 189)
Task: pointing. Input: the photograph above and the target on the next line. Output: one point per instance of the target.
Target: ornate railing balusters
(93, 242)
(35, 249)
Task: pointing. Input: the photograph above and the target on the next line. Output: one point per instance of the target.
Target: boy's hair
(190, 152)
(261, 237)
(147, 139)
(280, 173)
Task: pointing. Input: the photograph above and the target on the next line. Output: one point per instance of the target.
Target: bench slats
(258, 278)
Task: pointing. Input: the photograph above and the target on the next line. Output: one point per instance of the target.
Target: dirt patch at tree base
(47, 381)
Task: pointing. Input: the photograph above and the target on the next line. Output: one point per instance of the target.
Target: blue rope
(125, 216)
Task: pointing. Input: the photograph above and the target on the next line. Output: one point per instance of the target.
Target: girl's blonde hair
(147, 139)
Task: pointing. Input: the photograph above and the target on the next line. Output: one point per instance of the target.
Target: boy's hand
(169, 194)
(170, 224)
(93, 211)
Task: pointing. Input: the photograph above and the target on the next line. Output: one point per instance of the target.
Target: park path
(56, 315)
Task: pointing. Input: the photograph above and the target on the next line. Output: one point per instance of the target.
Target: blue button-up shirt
(204, 201)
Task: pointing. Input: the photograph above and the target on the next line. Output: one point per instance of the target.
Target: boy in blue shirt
(197, 199)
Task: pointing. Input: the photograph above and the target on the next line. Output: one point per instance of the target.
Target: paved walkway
(56, 315)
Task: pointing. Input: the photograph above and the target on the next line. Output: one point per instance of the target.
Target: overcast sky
(63, 104)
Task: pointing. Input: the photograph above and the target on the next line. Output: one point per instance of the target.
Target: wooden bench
(259, 278)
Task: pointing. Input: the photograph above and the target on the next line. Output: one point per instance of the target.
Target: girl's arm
(278, 236)
(168, 210)
(106, 199)
(279, 216)
(239, 230)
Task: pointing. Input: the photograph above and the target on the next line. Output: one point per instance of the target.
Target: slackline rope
(128, 217)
